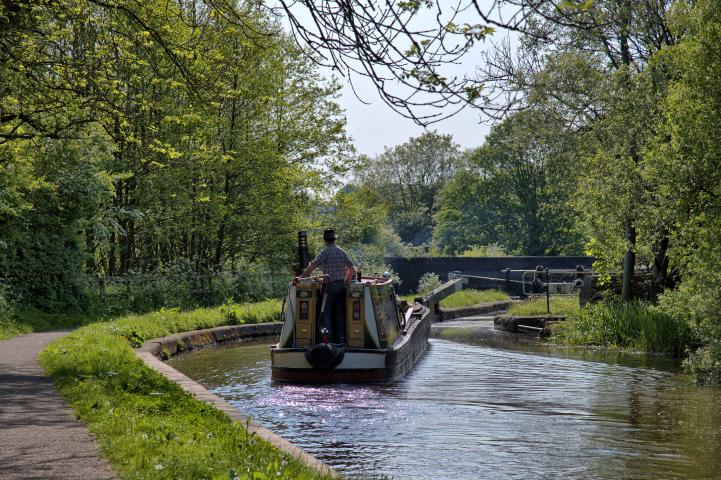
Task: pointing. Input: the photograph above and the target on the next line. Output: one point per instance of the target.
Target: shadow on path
(39, 436)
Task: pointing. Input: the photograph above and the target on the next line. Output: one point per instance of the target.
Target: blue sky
(376, 126)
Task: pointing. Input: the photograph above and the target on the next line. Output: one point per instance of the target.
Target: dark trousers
(334, 313)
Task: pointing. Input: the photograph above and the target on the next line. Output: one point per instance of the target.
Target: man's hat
(329, 234)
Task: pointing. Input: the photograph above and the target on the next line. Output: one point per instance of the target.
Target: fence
(147, 291)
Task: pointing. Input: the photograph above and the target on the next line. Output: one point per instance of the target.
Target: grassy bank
(470, 297)
(146, 425)
(27, 320)
(560, 305)
(635, 325)
(465, 298)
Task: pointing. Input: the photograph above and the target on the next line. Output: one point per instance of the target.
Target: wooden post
(585, 293)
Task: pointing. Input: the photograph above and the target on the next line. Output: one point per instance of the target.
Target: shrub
(636, 325)
(493, 250)
(428, 282)
(697, 302)
(259, 283)
(8, 325)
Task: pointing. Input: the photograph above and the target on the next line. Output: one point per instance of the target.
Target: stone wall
(410, 270)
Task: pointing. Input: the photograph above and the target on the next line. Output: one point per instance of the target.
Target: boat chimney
(303, 249)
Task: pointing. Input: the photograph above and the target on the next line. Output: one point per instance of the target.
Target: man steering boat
(338, 266)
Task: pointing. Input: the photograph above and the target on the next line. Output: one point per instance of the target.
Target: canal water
(467, 411)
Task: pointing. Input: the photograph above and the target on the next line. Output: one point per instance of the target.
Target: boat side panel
(402, 356)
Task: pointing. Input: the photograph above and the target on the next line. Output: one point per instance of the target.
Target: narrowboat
(384, 337)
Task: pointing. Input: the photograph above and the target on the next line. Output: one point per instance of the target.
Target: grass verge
(470, 297)
(464, 298)
(27, 319)
(635, 325)
(146, 425)
(560, 305)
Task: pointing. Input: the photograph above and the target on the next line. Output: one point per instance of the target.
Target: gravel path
(39, 436)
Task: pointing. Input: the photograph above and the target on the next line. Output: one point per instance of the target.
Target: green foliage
(141, 137)
(697, 302)
(359, 217)
(146, 425)
(517, 192)
(470, 297)
(138, 328)
(484, 251)
(9, 327)
(59, 191)
(428, 282)
(685, 157)
(406, 179)
(560, 305)
(634, 325)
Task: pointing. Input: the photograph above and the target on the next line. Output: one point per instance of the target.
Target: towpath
(39, 436)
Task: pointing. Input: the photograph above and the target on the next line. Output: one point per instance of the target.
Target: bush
(635, 325)
(428, 282)
(493, 250)
(8, 325)
(259, 283)
(182, 287)
(697, 302)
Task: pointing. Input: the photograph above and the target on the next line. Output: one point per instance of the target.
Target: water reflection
(468, 411)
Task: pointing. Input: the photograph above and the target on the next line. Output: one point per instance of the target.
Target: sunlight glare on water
(467, 412)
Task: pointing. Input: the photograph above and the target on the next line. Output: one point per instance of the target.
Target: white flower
(158, 466)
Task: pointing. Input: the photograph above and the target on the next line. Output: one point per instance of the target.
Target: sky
(376, 126)
(373, 125)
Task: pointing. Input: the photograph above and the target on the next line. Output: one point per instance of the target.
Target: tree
(59, 191)
(408, 177)
(518, 193)
(684, 165)
(209, 129)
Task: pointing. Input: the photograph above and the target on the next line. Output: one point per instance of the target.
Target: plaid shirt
(333, 260)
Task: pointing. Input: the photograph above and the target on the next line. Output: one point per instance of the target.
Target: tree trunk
(660, 269)
(629, 263)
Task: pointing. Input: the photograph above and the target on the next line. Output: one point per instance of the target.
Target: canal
(468, 411)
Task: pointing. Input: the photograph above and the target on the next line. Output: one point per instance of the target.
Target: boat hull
(358, 365)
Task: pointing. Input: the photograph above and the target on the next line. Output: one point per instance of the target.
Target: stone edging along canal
(153, 352)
